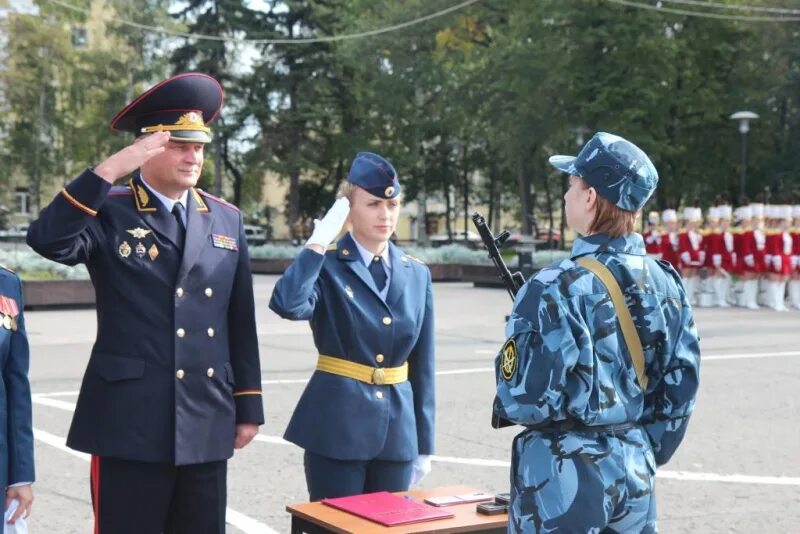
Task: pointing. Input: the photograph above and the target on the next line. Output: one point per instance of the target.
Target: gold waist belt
(371, 375)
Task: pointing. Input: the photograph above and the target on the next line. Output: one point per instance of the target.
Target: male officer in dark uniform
(174, 382)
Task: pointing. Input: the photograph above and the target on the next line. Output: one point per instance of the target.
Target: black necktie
(177, 211)
(378, 272)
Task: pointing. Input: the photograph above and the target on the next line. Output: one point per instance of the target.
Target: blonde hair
(348, 190)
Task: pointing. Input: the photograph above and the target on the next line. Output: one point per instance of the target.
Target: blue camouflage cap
(617, 169)
(374, 174)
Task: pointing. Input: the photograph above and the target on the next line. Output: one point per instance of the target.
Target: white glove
(19, 527)
(326, 230)
(749, 260)
(717, 259)
(421, 467)
(795, 262)
(685, 258)
(778, 262)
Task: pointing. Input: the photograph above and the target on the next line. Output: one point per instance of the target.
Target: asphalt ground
(737, 471)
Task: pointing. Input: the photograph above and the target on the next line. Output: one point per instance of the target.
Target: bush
(31, 266)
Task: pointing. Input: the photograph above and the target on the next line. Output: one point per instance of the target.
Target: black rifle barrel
(513, 282)
(492, 245)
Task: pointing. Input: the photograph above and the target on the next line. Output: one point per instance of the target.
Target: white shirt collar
(167, 202)
(367, 256)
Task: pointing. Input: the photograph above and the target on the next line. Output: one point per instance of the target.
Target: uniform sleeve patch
(508, 359)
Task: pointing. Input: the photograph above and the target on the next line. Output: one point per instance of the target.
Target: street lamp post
(744, 118)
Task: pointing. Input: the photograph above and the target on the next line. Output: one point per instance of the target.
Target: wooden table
(317, 518)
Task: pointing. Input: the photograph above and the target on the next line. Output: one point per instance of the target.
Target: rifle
(512, 281)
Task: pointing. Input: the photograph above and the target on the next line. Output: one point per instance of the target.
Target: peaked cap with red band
(183, 105)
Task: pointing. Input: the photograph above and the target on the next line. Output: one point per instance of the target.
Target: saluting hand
(326, 230)
(24, 497)
(245, 433)
(132, 156)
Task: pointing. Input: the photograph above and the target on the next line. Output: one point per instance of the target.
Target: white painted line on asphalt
(465, 371)
(704, 358)
(735, 479)
(712, 357)
(275, 440)
(672, 475)
(246, 524)
(744, 356)
(286, 381)
(470, 461)
(59, 443)
(53, 403)
(58, 394)
(482, 462)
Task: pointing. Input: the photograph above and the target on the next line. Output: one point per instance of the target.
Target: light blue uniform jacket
(341, 417)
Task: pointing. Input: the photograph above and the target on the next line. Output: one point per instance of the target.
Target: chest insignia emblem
(138, 233)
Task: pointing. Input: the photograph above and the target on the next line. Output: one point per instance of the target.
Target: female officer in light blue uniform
(596, 431)
(366, 416)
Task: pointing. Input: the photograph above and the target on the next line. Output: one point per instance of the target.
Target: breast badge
(124, 249)
(508, 359)
(138, 233)
(140, 249)
(153, 252)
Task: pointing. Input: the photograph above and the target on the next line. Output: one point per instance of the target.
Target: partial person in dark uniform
(366, 416)
(173, 384)
(601, 362)
(16, 440)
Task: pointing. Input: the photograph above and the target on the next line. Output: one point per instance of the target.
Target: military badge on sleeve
(508, 359)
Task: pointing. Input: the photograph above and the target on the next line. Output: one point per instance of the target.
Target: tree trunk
(218, 171)
(523, 186)
(465, 178)
(237, 175)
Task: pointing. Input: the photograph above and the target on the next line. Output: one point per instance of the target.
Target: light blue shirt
(368, 257)
(168, 202)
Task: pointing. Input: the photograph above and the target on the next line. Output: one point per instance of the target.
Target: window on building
(79, 38)
(23, 201)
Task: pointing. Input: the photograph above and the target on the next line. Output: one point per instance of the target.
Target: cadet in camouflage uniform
(587, 460)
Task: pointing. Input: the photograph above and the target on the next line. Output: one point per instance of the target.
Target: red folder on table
(387, 509)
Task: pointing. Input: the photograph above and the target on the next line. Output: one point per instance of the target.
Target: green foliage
(467, 106)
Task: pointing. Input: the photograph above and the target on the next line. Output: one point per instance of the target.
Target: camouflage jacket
(566, 358)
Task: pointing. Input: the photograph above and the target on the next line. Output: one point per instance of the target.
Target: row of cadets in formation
(747, 257)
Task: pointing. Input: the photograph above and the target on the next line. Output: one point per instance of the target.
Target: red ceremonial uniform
(669, 249)
(690, 248)
(712, 246)
(652, 241)
(779, 247)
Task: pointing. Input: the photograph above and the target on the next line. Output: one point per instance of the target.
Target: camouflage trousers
(582, 483)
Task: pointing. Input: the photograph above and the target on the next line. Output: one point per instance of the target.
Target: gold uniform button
(379, 394)
(179, 292)
(210, 372)
(379, 358)
(209, 292)
(180, 374)
(181, 332)
(210, 332)
(387, 321)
